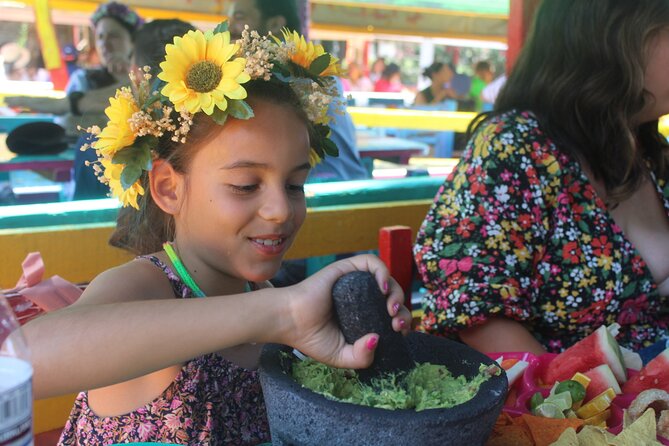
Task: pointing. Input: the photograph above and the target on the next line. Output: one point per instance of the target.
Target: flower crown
(205, 72)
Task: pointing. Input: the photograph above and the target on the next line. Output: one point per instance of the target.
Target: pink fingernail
(373, 341)
(402, 323)
(385, 287)
(396, 308)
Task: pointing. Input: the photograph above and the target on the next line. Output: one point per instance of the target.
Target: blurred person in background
(390, 81)
(441, 75)
(356, 79)
(377, 70)
(483, 75)
(88, 90)
(263, 16)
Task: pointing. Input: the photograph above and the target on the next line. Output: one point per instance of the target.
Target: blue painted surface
(8, 123)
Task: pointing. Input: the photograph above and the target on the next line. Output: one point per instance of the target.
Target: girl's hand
(315, 331)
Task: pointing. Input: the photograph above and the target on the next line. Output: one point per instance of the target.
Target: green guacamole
(427, 386)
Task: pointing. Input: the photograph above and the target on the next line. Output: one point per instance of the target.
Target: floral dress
(517, 230)
(211, 402)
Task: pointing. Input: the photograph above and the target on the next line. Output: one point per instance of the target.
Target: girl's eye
(245, 189)
(297, 188)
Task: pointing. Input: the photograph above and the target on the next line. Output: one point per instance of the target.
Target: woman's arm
(500, 334)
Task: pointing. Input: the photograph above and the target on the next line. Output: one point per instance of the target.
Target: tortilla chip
(510, 435)
(567, 438)
(641, 432)
(546, 431)
(594, 436)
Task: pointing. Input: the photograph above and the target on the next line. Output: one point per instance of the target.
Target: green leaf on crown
(130, 175)
(219, 116)
(330, 147)
(319, 64)
(138, 154)
(280, 69)
(239, 109)
(155, 95)
(221, 27)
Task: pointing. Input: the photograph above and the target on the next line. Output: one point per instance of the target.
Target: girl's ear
(166, 186)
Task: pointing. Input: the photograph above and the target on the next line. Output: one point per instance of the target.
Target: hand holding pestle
(361, 308)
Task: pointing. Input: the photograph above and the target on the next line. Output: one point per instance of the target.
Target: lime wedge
(548, 410)
(562, 400)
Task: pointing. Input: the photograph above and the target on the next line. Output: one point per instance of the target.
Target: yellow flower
(306, 52)
(117, 134)
(314, 159)
(112, 173)
(200, 72)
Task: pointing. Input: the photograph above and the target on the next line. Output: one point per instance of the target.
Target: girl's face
(657, 77)
(245, 194)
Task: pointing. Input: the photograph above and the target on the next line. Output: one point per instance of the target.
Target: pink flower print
(172, 422)
(145, 430)
(175, 404)
(449, 266)
(631, 310)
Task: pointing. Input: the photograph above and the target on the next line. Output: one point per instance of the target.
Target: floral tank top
(211, 402)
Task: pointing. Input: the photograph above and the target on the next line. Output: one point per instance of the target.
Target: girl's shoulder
(138, 279)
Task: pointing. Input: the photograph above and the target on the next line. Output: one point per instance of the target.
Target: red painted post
(521, 13)
(396, 251)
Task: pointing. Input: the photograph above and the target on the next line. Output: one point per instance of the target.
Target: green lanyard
(183, 273)
(181, 270)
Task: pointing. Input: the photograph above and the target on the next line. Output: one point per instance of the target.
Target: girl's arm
(93, 344)
(500, 334)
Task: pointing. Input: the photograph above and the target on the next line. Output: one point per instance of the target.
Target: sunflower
(117, 134)
(200, 72)
(314, 159)
(304, 53)
(112, 175)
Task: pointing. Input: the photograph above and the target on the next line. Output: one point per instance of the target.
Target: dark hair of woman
(285, 8)
(581, 72)
(145, 230)
(151, 39)
(390, 70)
(435, 68)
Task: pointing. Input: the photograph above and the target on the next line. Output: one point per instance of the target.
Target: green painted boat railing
(318, 195)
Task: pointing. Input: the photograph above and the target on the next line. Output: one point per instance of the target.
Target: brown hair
(144, 231)
(581, 72)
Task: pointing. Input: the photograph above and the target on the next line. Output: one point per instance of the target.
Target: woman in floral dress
(556, 220)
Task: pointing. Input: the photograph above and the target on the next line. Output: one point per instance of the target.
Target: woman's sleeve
(478, 244)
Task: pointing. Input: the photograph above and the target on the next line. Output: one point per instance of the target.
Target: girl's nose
(277, 207)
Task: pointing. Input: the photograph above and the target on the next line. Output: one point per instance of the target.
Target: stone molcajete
(298, 416)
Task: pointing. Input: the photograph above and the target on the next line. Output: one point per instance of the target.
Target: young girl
(225, 188)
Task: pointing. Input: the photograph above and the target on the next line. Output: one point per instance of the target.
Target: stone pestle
(360, 307)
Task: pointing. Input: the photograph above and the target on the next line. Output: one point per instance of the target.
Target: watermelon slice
(601, 378)
(631, 359)
(655, 375)
(597, 349)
